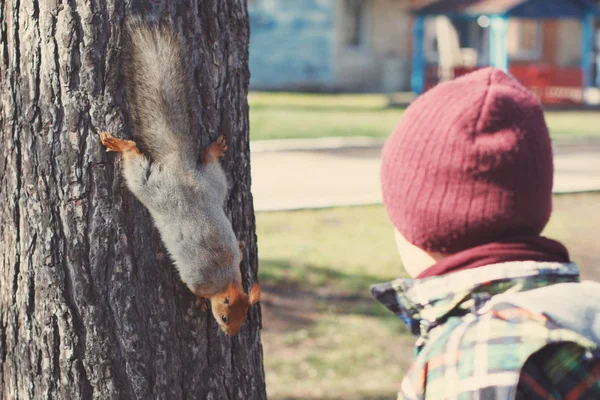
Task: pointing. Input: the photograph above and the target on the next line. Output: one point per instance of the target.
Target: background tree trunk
(90, 305)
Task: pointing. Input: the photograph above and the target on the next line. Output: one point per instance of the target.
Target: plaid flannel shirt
(471, 347)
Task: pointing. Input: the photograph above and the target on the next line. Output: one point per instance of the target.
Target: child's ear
(254, 296)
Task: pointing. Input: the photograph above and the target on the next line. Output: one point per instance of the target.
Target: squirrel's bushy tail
(157, 82)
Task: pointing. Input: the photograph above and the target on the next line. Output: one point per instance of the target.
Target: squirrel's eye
(224, 318)
(226, 301)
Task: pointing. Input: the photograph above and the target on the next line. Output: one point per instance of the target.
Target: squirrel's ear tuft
(254, 296)
(232, 293)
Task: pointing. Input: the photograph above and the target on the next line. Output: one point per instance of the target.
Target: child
(498, 310)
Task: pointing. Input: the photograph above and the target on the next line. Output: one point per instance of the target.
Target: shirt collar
(433, 299)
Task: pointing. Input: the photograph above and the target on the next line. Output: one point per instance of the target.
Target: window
(524, 39)
(355, 23)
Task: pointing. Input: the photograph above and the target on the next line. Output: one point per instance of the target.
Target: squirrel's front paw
(119, 145)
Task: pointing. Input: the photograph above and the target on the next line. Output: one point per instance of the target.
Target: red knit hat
(469, 163)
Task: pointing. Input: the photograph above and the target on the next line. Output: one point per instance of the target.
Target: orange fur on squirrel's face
(230, 308)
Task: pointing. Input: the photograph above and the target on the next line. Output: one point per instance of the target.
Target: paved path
(328, 173)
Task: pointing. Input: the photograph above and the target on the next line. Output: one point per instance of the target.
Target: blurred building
(367, 45)
(549, 45)
(348, 45)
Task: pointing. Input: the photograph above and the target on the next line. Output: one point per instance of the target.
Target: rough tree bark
(90, 306)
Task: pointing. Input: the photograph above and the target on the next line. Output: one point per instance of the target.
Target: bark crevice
(14, 79)
(3, 349)
(31, 279)
(56, 370)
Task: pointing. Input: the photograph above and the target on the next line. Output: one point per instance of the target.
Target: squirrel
(183, 187)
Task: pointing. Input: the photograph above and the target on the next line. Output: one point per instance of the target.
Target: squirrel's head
(230, 307)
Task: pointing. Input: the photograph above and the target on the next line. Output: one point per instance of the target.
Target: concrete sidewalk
(338, 172)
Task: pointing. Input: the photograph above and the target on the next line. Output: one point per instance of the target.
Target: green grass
(349, 248)
(352, 247)
(301, 115)
(289, 115)
(573, 124)
(323, 262)
(323, 336)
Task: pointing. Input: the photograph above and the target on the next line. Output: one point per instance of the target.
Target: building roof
(514, 8)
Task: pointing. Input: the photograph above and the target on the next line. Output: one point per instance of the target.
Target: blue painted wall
(291, 42)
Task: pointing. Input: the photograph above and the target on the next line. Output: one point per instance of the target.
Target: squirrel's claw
(104, 139)
(107, 140)
(201, 302)
(222, 144)
(241, 247)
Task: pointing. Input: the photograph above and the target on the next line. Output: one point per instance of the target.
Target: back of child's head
(469, 163)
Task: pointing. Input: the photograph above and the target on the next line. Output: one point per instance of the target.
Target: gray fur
(157, 81)
(184, 198)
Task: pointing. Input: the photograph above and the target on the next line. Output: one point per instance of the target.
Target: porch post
(498, 42)
(587, 49)
(417, 79)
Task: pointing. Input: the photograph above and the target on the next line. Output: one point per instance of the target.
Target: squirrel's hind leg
(125, 147)
(136, 167)
(214, 152)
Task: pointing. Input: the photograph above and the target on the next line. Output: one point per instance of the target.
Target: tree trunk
(90, 304)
